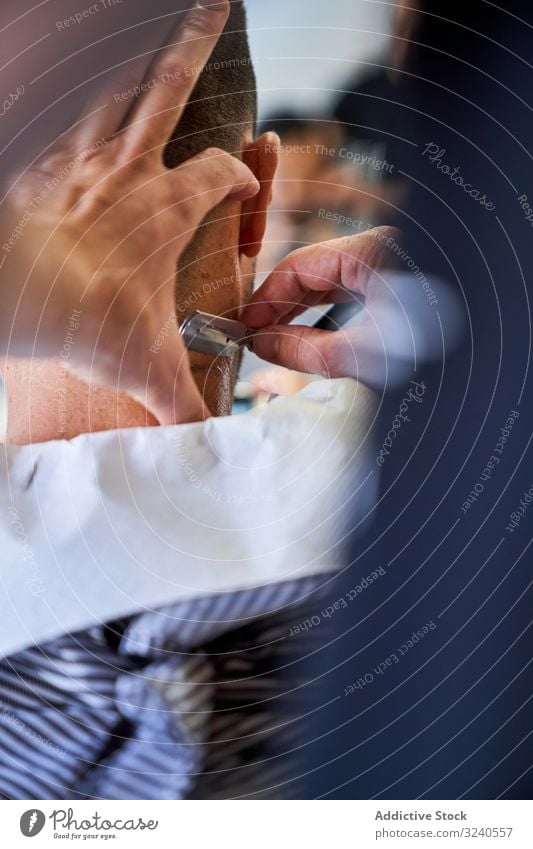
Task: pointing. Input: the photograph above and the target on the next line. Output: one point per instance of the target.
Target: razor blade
(211, 334)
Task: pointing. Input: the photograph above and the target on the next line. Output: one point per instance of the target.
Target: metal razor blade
(211, 334)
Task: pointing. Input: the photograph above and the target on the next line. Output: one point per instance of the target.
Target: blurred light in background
(306, 53)
(303, 49)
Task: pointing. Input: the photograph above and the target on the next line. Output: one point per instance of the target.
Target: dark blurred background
(421, 680)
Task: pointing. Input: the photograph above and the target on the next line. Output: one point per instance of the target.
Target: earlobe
(261, 156)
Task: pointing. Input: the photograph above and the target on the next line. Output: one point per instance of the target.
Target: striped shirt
(201, 699)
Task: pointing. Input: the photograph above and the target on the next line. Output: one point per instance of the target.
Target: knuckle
(91, 202)
(21, 189)
(300, 352)
(222, 165)
(344, 245)
(211, 166)
(339, 355)
(185, 189)
(123, 83)
(51, 163)
(200, 22)
(169, 71)
(130, 310)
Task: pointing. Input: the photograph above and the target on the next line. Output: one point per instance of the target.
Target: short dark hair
(224, 101)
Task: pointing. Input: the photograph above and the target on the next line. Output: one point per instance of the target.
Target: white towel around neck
(124, 521)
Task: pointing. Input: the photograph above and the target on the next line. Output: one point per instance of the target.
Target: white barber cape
(125, 521)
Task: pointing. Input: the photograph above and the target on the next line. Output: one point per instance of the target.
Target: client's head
(215, 274)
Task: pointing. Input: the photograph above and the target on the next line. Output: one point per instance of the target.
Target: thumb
(171, 394)
(306, 349)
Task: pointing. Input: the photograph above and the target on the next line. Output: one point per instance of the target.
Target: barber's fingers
(305, 349)
(317, 299)
(334, 267)
(172, 77)
(204, 181)
(306, 270)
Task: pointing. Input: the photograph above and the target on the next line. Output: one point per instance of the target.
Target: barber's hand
(326, 273)
(97, 226)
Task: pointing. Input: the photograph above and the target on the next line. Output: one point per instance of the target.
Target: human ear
(261, 156)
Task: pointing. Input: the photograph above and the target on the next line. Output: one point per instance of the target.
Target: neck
(45, 402)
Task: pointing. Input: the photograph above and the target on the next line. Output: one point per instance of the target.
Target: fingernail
(245, 191)
(249, 339)
(266, 344)
(210, 6)
(274, 139)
